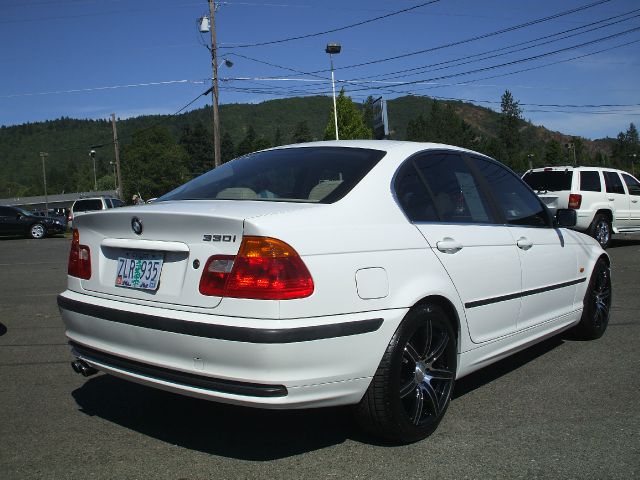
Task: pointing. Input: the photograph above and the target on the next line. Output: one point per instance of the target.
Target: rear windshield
(550, 181)
(305, 174)
(87, 205)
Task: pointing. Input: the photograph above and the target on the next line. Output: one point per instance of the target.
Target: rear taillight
(79, 258)
(575, 200)
(265, 268)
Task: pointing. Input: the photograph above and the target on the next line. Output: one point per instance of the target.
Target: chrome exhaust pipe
(83, 368)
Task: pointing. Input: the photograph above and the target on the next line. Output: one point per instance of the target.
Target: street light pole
(43, 156)
(530, 157)
(92, 154)
(633, 161)
(331, 49)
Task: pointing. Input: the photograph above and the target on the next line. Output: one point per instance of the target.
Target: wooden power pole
(117, 152)
(43, 156)
(214, 92)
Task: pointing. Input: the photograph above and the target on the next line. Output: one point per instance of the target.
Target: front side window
(632, 184)
(117, 202)
(518, 203)
(613, 182)
(306, 174)
(590, 181)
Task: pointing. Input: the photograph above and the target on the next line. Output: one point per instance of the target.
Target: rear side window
(549, 181)
(632, 184)
(117, 203)
(613, 182)
(590, 181)
(306, 174)
(440, 187)
(519, 205)
(87, 205)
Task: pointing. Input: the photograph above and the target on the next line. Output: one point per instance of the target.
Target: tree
(510, 119)
(367, 111)
(350, 121)
(198, 144)
(301, 133)
(153, 163)
(277, 138)
(227, 148)
(246, 145)
(553, 154)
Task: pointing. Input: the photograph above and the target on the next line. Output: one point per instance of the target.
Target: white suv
(606, 200)
(91, 204)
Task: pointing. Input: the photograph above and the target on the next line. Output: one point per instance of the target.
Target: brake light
(575, 200)
(79, 258)
(265, 268)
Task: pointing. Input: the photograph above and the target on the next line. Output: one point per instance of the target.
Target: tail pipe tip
(83, 368)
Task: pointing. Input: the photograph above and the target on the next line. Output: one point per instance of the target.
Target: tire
(411, 390)
(37, 231)
(597, 303)
(601, 230)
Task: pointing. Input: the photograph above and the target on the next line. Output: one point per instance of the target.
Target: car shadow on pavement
(3, 329)
(624, 242)
(249, 433)
(214, 428)
(492, 372)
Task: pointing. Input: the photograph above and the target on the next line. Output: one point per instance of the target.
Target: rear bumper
(298, 363)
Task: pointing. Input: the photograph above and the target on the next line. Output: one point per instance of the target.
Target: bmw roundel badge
(136, 225)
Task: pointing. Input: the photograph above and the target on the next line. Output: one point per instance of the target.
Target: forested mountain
(165, 150)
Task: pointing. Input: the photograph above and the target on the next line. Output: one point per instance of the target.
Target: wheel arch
(606, 212)
(450, 312)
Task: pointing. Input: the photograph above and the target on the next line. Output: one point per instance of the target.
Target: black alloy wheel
(597, 303)
(412, 387)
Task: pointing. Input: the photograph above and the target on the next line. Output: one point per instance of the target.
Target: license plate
(139, 270)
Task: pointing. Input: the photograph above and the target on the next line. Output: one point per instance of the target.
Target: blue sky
(88, 58)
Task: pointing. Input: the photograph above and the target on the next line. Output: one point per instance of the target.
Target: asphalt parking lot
(562, 409)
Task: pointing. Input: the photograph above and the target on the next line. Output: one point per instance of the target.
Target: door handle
(634, 201)
(611, 199)
(448, 245)
(524, 243)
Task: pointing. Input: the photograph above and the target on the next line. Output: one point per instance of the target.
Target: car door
(9, 221)
(442, 198)
(633, 187)
(549, 263)
(617, 198)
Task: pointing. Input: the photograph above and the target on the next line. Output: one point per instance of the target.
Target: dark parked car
(16, 221)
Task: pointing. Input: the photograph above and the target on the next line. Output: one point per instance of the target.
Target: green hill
(68, 141)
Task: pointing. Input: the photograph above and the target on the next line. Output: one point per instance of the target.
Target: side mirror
(566, 217)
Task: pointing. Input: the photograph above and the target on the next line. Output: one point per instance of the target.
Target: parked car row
(606, 200)
(366, 273)
(42, 223)
(16, 221)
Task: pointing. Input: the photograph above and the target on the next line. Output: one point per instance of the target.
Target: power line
(317, 34)
(513, 62)
(472, 39)
(107, 87)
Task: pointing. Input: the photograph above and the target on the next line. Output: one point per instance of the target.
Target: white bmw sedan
(365, 273)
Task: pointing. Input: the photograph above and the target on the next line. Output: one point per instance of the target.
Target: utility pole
(117, 152)
(214, 92)
(43, 156)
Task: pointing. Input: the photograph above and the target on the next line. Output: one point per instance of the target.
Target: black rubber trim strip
(178, 377)
(222, 332)
(535, 291)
